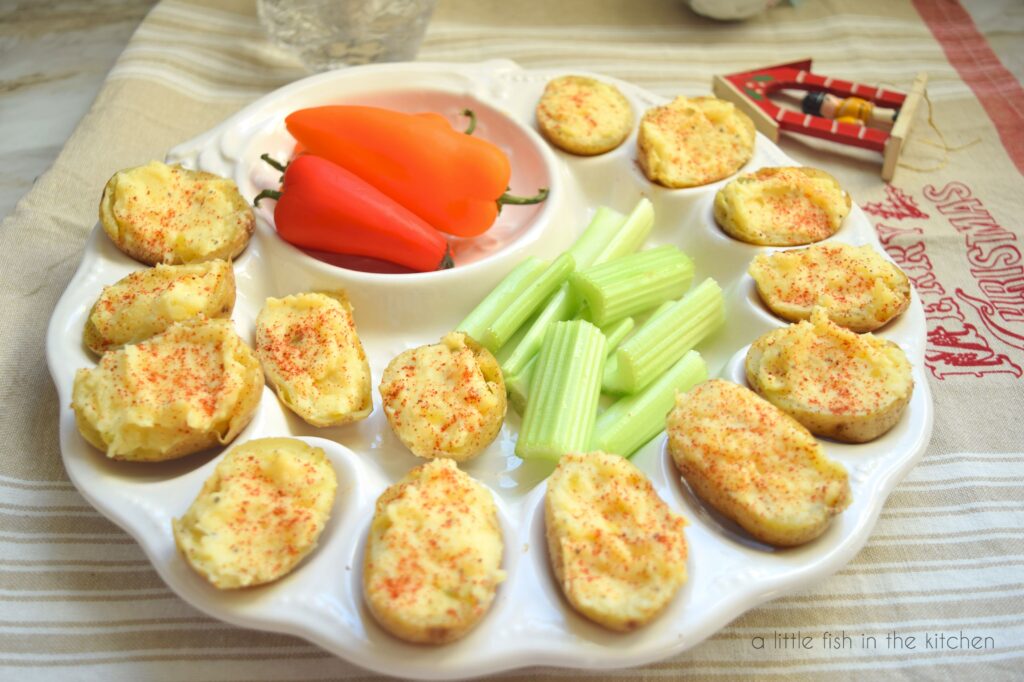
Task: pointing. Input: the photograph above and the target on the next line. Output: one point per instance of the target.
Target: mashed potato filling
(185, 215)
(694, 141)
(192, 386)
(439, 400)
(148, 301)
(583, 115)
(259, 514)
(822, 366)
(855, 283)
(620, 551)
(782, 206)
(755, 464)
(433, 556)
(313, 356)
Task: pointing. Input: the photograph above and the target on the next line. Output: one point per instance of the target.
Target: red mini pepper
(326, 207)
(454, 181)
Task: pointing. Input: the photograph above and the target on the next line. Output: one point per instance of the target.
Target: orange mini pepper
(452, 180)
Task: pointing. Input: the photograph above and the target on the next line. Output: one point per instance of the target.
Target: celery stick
(602, 229)
(664, 338)
(615, 333)
(518, 387)
(631, 235)
(509, 348)
(632, 284)
(496, 302)
(632, 421)
(564, 392)
(501, 329)
(611, 365)
(608, 236)
(559, 307)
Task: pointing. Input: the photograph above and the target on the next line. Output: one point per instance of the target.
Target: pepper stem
(472, 121)
(446, 261)
(507, 198)
(266, 194)
(274, 163)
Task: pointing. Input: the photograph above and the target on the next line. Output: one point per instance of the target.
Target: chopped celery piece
(615, 333)
(496, 302)
(611, 367)
(518, 387)
(564, 392)
(559, 307)
(501, 329)
(609, 235)
(632, 284)
(509, 348)
(599, 233)
(631, 235)
(664, 338)
(632, 421)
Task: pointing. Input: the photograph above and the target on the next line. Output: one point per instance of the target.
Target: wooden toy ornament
(841, 111)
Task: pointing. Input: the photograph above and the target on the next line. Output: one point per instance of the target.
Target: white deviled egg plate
(529, 623)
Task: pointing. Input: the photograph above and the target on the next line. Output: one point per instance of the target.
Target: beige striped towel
(78, 600)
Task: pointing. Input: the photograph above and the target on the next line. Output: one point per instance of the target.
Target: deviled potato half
(159, 213)
(311, 353)
(446, 399)
(617, 551)
(860, 288)
(194, 386)
(433, 556)
(583, 115)
(755, 464)
(147, 302)
(839, 384)
(782, 206)
(694, 141)
(259, 514)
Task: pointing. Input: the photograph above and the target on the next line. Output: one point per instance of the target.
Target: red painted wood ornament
(834, 109)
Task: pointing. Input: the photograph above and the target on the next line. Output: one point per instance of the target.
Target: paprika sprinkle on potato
(784, 206)
(191, 387)
(259, 514)
(860, 288)
(755, 464)
(168, 214)
(433, 555)
(313, 357)
(617, 550)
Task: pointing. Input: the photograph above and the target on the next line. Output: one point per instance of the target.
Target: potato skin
(259, 514)
(755, 464)
(194, 386)
(312, 355)
(618, 569)
(868, 407)
(782, 206)
(433, 555)
(457, 379)
(198, 216)
(147, 302)
(862, 290)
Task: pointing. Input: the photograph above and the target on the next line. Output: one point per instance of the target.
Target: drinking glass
(329, 34)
